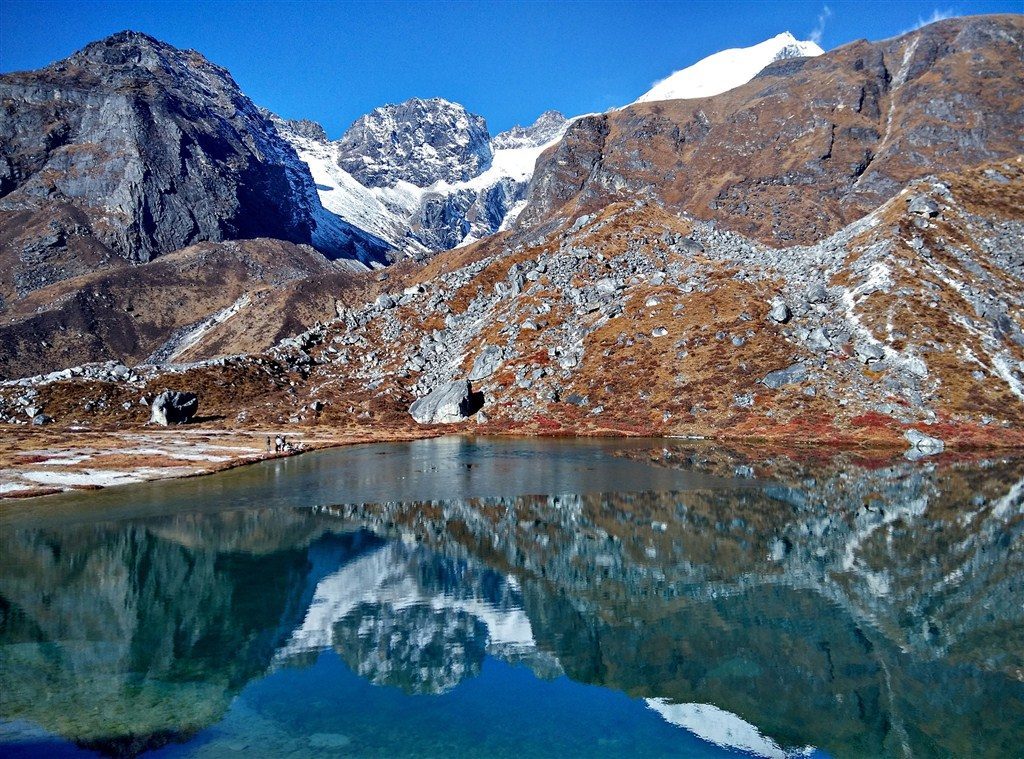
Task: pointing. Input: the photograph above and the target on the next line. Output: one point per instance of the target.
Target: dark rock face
(418, 141)
(142, 149)
(441, 222)
(173, 407)
(565, 169)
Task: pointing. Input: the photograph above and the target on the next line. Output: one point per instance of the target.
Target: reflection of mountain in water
(104, 626)
(867, 611)
(407, 616)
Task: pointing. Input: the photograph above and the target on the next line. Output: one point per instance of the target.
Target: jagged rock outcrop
(549, 126)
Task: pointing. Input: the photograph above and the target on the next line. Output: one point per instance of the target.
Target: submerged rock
(447, 404)
(173, 407)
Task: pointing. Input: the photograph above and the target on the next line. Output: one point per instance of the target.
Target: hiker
(268, 443)
(278, 444)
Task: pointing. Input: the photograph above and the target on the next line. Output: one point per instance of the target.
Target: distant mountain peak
(548, 126)
(728, 69)
(420, 141)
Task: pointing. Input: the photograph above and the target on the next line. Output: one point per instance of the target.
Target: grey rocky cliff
(154, 149)
(418, 141)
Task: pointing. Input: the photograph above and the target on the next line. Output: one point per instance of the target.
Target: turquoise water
(475, 597)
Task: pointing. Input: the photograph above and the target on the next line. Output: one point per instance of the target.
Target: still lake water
(475, 597)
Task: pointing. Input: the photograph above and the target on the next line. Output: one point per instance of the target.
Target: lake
(516, 598)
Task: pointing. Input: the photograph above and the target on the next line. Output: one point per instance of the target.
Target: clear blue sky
(333, 61)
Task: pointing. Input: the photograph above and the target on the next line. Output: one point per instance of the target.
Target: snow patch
(728, 69)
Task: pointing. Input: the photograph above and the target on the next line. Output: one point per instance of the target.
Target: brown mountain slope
(810, 144)
(638, 321)
(198, 302)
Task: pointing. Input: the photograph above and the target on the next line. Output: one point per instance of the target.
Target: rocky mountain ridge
(808, 145)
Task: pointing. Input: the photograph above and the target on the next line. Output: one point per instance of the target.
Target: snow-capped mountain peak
(728, 69)
(423, 175)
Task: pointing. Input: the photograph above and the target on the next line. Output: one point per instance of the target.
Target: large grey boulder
(173, 407)
(447, 404)
(923, 206)
(780, 312)
(924, 443)
(789, 375)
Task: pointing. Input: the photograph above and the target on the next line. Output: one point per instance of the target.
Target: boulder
(41, 419)
(173, 407)
(817, 293)
(780, 312)
(447, 404)
(869, 352)
(924, 443)
(787, 376)
(923, 206)
(486, 363)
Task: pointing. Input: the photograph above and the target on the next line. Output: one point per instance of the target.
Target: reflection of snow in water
(722, 728)
(385, 577)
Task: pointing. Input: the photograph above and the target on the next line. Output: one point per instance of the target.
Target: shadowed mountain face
(132, 148)
(867, 611)
(810, 144)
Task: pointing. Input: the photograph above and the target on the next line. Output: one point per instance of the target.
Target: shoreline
(50, 461)
(99, 459)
